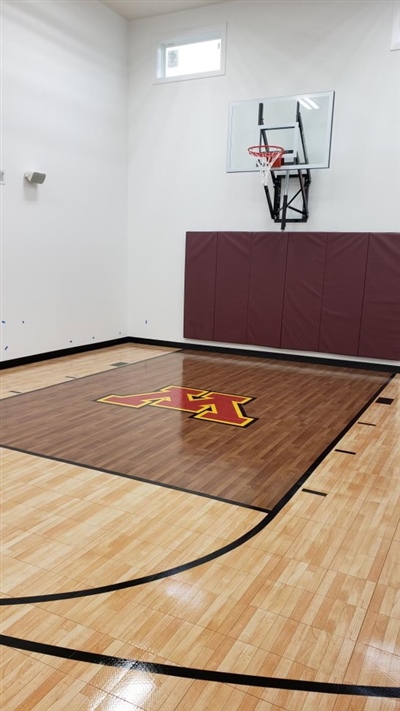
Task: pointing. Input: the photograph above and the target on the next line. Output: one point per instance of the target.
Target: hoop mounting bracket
(281, 206)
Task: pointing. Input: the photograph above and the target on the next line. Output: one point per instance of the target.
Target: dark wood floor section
(300, 409)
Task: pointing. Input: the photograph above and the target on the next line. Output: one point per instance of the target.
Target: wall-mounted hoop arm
(280, 202)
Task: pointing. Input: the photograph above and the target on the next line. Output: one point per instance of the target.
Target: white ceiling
(137, 9)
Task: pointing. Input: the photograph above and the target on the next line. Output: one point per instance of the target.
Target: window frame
(395, 44)
(186, 37)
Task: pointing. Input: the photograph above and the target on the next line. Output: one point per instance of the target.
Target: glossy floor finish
(121, 594)
(290, 412)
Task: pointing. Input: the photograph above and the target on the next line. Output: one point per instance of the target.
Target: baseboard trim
(27, 360)
(273, 355)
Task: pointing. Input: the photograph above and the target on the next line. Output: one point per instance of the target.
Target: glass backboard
(301, 124)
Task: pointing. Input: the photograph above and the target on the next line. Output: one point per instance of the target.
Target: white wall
(64, 76)
(178, 135)
(65, 251)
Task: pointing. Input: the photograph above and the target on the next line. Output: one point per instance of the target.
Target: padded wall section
(380, 322)
(232, 286)
(346, 261)
(267, 283)
(303, 290)
(200, 275)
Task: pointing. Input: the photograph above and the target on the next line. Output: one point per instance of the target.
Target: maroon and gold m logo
(205, 405)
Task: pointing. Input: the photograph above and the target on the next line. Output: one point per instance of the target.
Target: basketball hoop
(267, 157)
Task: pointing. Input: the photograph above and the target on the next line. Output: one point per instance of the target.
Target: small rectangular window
(191, 55)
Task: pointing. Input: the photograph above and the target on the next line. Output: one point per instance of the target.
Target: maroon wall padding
(380, 321)
(232, 286)
(341, 291)
(303, 290)
(267, 281)
(200, 274)
(346, 261)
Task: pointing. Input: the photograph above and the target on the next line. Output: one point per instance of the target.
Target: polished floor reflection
(121, 594)
(151, 420)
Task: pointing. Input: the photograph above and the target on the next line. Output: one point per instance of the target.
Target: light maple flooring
(315, 595)
(26, 378)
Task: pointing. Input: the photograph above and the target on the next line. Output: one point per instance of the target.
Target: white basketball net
(266, 157)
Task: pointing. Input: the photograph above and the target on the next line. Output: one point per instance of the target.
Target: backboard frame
(234, 166)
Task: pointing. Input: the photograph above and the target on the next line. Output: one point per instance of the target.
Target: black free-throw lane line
(139, 581)
(390, 692)
(134, 477)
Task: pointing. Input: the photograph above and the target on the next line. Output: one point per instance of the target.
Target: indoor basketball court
(147, 421)
(200, 337)
(247, 549)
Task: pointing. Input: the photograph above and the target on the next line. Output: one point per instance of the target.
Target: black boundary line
(345, 451)
(203, 559)
(312, 491)
(134, 477)
(201, 674)
(298, 485)
(184, 345)
(385, 400)
(369, 424)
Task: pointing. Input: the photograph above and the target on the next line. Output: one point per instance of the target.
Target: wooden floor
(294, 411)
(121, 594)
